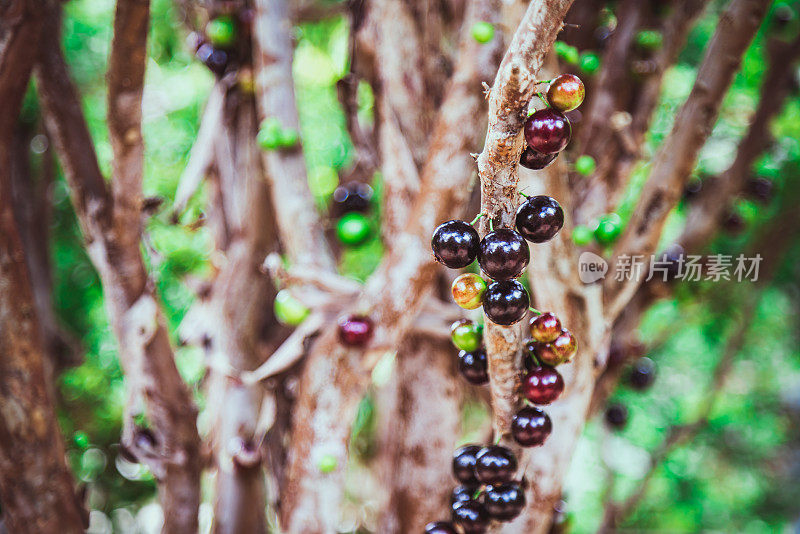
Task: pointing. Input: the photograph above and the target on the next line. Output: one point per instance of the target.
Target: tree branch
(35, 483)
(676, 158)
(172, 447)
(298, 222)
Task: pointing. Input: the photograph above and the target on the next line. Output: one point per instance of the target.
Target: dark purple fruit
(352, 196)
(531, 426)
(548, 131)
(463, 493)
(471, 516)
(503, 254)
(440, 527)
(504, 502)
(455, 244)
(642, 374)
(474, 366)
(759, 189)
(495, 464)
(505, 302)
(535, 160)
(616, 416)
(216, 60)
(539, 218)
(464, 464)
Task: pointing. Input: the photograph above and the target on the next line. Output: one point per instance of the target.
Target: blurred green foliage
(738, 475)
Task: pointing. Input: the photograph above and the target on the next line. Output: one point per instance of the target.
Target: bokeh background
(739, 473)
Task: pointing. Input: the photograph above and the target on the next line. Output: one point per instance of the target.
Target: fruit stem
(543, 81)
(524, 195)
(536, 360)
(477, 218)
(535, 311)
(491, 225)
(543, 98)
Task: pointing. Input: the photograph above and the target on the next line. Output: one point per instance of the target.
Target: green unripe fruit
(466, 335)
(221, 32)
(327, 464)
(590, 62)
(269, 135)
(649, 39)
(289, 310)
(567, 52)
(289, 138)
(582, 235)
(609, 227)
(585, 165)
(353, 229)
(483, 32)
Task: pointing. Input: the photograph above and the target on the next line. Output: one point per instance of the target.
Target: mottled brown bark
(112, 221)
(239, 311)
(334, 377)
(300, 229)
(419, 429)
(36, 486)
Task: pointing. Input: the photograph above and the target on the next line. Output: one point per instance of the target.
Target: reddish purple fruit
(503, 254)
(548, 131)
(495, 464)
(539, 218)
(544, 353)
(545, 327)
(355, 330)
(530, 426)
(535, 160)
(542, 385)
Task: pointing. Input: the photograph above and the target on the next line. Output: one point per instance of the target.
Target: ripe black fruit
(352, 196)
(642, 374)
(440, 527)
(463, 493)
(464, 464)
(504, 502)
(616, 416)
(539, 218)
(505, 302)
(535, 160)
(471, 516)
(474, 366)
(548, 131)
(503, 254)
(531, 426)
(455, 244)
(495, 464)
